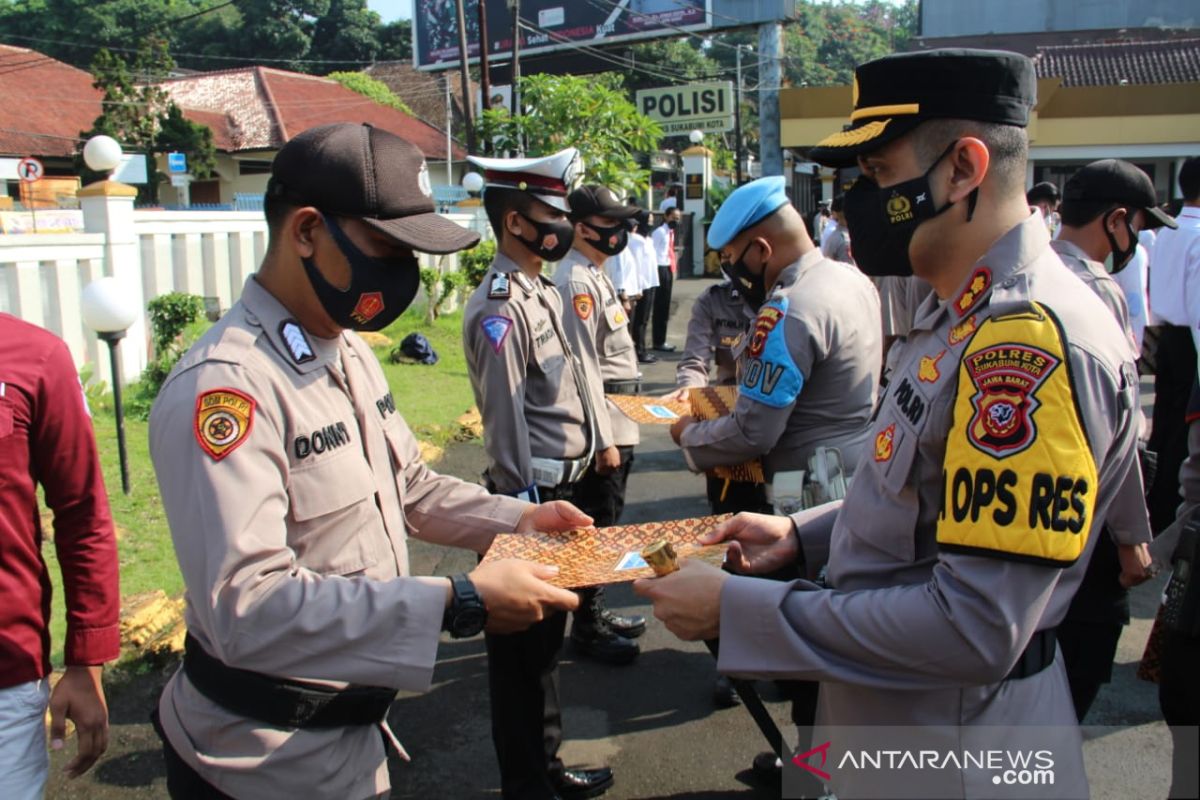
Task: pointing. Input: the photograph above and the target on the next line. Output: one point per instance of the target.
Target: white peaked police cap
(548, 178)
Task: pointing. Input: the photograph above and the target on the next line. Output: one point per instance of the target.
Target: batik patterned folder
(713, 402)
(593, 557)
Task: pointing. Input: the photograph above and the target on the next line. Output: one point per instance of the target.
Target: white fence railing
(206, 253)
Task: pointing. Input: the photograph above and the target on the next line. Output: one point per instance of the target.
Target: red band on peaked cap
(513, 179)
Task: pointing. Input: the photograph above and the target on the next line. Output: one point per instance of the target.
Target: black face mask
(553, 239)
(1120, 258)
(882, 221)
(753, 287)
(612, 239)
(379, 289)
(673, 224)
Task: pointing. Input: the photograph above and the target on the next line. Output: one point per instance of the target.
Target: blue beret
(747, 205)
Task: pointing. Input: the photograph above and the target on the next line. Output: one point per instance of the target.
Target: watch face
(468, 621)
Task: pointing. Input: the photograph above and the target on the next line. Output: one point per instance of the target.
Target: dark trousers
(523, 694)
(662, 305)
(641, 317)
(1179, 699)
(183, 782)
(1089, 632)
(730, 497)
(1174, 373)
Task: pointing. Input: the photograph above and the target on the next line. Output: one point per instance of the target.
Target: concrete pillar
(108, 209)
(697, 170)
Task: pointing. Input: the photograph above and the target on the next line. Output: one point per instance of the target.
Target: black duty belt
(280, 702)
(1038, 655)
(623, 387)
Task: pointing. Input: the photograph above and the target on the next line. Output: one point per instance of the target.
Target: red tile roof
(1120, 63)
(265, 107)
(46, 104)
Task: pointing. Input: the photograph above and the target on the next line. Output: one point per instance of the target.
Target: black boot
(593, 636)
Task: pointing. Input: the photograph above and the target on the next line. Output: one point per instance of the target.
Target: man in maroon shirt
(46, 438)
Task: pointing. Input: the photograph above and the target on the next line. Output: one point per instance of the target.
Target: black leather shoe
(631, 627)
(767, 765)
(647, 358)
(602, 644)
(577, 784)
(724, 695)
(665, 348)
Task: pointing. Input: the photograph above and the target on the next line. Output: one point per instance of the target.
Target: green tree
(142, 117)
(395, 41)
(683, 57)
(280, 30)
(591, 113)
(371, 88)
(348, 32)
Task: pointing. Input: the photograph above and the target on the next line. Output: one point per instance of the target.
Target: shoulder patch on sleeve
(582, 304)
(771, 376)
(1020, 480)
(224, 419)
(496, 328)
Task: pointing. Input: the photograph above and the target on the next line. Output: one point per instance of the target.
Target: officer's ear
(765, 249)
(512, 223)
(969, 162)
(300, 230)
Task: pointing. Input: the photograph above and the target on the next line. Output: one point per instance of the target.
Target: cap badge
(423, 180)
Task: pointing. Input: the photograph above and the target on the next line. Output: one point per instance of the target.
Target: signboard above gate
(706, 107)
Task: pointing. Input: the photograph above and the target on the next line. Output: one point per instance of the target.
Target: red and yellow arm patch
(583, 305)
(224, 419)
(1020, 481)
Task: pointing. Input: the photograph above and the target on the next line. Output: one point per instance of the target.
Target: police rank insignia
(583, 305)
(927, 371)
(367, 308)
(981, 279)
(298, 346)
(500, 287)
(496, 329)
(1006, 378)
(224, 418)
(962, 330)
(884, 442)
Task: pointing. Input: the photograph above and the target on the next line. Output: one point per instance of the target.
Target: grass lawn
(430, 398)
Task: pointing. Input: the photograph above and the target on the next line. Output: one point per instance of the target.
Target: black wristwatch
(466, 615)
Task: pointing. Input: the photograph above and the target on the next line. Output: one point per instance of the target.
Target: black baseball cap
(1112, 180)
(599, 201)
(367, 173)
(896, 93)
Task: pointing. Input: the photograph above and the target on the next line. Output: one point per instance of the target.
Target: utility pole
(515, 7)
(770, 75)
(468, 116)
(485, 79)
(449, 138)
(737, 118)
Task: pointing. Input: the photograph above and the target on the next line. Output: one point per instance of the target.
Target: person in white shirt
(663, 240)
(1044, 198)
(835, 239)
(1175, 301)
(670, 201)
(645, 277)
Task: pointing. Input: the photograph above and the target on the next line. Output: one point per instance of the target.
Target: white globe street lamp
(106, 309)
(473, 182)
(102, 154)
(696, 136)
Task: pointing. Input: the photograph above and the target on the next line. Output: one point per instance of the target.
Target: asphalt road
(653, 722)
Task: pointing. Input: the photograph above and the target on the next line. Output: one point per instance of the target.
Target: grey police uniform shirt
(836, 246)
(717, 331)
(809, 374)
(1128, 516)
(291, 484)
(1011, 405)
(523, 373)
(899, 298)
(597, 327)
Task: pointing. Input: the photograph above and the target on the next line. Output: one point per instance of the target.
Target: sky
(391, 9)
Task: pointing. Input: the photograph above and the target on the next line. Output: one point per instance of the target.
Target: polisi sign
(698, 106)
